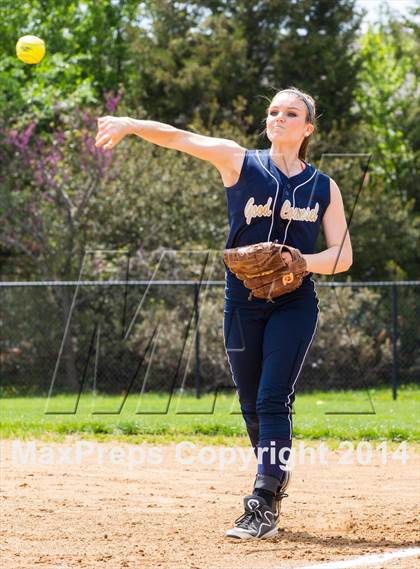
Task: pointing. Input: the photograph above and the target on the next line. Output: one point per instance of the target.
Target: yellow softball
(30, 49)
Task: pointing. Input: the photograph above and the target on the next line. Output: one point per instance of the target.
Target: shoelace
(277, 500)
(246, 518)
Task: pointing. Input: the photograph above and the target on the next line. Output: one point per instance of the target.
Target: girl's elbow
(346, 257)
(343, 265)
(347, 262)
(350, 258)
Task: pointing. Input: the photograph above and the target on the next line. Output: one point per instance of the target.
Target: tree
(385, 102)
(217, 59)
(87, 56)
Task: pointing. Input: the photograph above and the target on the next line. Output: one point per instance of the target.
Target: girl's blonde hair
(310, 115)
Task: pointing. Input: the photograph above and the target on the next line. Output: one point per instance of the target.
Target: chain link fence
(139, 336)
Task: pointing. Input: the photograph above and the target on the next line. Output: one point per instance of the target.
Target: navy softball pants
(266, 344)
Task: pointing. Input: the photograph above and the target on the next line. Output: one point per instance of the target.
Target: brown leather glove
(263, 270)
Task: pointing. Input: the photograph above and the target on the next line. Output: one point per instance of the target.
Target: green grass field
(344, 415)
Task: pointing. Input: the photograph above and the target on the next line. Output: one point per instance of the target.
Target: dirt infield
(71, 508)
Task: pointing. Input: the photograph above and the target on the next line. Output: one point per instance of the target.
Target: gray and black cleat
(258, 520)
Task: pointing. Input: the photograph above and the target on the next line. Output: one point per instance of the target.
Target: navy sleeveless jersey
(265, 205)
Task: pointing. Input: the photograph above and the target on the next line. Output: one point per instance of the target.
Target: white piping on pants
(287, 404)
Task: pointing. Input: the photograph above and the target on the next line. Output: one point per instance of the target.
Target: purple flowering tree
(48, 182)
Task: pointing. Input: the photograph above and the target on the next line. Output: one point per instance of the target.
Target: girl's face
(286, 120)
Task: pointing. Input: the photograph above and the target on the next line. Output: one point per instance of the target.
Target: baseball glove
(262, 268)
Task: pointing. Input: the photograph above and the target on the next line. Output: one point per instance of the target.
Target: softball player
(271, 194)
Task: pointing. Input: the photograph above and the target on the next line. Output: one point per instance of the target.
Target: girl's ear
(309, 130)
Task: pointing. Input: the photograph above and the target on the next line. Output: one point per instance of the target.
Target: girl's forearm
(157, 132)
(225, 154)
(328, 262)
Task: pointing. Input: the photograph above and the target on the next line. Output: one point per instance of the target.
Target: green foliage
(87, 55)
(224, 56)
(386, 94)
(37, 93)
(386, 99)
